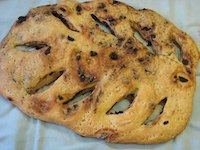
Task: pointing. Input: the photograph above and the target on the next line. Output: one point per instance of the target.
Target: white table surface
(20, 132)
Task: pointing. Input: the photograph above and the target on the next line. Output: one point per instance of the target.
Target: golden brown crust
(73, 54)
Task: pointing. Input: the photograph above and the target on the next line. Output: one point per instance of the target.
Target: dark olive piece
(113, 56)
(93, 53)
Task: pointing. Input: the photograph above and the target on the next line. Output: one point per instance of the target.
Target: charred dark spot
(60, 97)
(10, 99)
(149, 43)
(132, 51)
(141, 59)
(70, 38)
(21, 19)
(113, 56)
(122, 17)
(93, 53)
(47, 51)
(185, 61)
(146, 28)
(101, 6)
(153, 36)
(62, 9)
(165, 122)
(182, 79)
(78, 8)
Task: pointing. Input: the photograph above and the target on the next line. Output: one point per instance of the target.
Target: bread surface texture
(58, 52)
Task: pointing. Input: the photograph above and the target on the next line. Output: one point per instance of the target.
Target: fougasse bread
(58, 52)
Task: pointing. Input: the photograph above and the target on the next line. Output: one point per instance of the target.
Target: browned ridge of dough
(72, 54)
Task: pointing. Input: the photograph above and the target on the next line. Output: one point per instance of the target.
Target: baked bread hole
(177, 50)
(158, 110)
(33, 46)
(102, 25)
(45, 82)
(64, 20)
(147, 44)
(83, 94)
(121, 106)
(181, 78)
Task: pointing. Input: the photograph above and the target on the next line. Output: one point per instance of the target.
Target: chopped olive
(51, 73)
(182, 79)
(113, 56)
(75, 106)
(89, 79)
(78, 8)
(122, 17)
(146, 28)
(153, 36)
(62, 9)
(115, 2)
(70, 38)
(60, 97)
(69, 110)
(165, 122)
(47, 51)
(149, 43)
(10, 99)
(21, 19)
(82, 77)
(93, 53)
(141, 59)
(185, 61)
